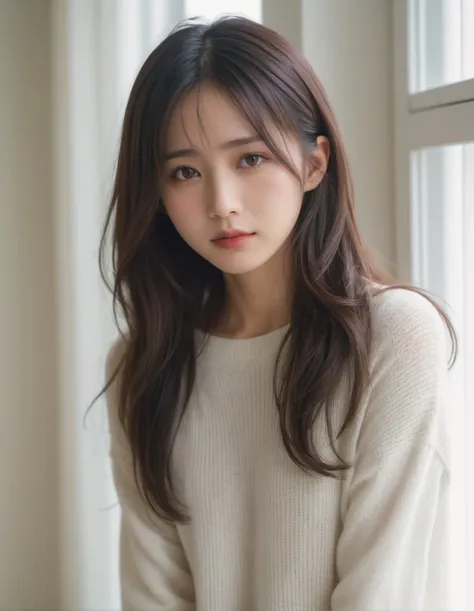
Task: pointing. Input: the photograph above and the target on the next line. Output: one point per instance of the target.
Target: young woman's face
(227, 195)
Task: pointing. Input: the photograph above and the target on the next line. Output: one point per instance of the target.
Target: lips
(231, 233)
(232, 239)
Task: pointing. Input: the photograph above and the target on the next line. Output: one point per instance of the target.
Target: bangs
(273, 127)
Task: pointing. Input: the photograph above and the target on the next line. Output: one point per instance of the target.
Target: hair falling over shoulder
(165, 290)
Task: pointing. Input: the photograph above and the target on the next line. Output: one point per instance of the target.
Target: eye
(252, 161)
(184, 173)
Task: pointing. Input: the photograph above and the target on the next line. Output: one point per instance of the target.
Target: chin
(236, 270)
(237, 267)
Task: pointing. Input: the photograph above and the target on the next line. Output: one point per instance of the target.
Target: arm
(154, 572)
(391, 553)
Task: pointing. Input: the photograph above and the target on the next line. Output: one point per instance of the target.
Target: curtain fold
(96, 51)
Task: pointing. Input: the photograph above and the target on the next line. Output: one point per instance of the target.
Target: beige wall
(284, 16)
(28, 404)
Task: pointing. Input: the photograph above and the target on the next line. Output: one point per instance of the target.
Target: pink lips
(232, 239)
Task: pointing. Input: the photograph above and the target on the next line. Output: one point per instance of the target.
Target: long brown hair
(165, 290)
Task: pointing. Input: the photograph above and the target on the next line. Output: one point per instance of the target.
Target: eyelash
(174, 173)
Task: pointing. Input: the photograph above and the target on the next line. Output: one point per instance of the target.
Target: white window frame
(432, 118)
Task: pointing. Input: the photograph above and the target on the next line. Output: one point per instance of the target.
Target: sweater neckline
(240, 348)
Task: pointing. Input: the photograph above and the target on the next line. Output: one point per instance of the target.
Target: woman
(276, 404)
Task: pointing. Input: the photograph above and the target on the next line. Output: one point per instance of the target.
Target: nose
(223, 197)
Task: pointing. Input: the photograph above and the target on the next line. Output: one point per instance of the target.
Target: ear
(317, 163)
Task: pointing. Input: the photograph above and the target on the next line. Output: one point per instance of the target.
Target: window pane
(443, 239)
(210, 9)
(442, 40)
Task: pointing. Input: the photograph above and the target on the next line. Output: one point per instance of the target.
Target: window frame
(444, 115)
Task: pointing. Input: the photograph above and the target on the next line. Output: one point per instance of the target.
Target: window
(442, 32)
(434, 171)
(443, 228)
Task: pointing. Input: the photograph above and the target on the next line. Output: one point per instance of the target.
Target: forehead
(206, 118)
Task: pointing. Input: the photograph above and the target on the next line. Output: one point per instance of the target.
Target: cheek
(183, 210)
(279, 197)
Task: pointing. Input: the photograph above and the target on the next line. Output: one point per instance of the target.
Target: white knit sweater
(263, 535)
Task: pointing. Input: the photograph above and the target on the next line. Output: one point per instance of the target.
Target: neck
(258, 302)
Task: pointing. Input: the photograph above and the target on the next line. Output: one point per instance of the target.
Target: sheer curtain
(97, 48)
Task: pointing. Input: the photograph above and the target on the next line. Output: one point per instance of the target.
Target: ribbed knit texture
(264, 536)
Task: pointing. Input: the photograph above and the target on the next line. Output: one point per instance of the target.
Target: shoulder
(408, 375)
(406, 322)
(397, 307)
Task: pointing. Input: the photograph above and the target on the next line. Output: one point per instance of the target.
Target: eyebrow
(227, 145)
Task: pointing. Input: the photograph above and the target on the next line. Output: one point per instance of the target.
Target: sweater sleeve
(154, 573)
(391, 554)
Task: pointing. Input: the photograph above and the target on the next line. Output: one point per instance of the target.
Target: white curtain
(97, 48)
